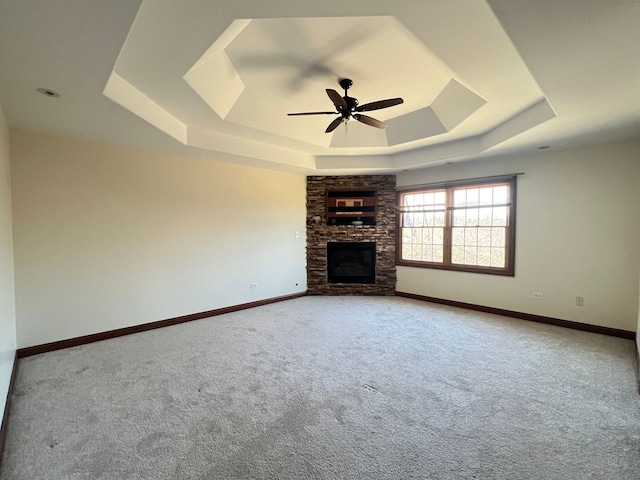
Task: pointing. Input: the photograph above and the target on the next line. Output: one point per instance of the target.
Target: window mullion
(448, 219)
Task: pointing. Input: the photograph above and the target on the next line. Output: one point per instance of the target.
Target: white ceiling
(216, 78)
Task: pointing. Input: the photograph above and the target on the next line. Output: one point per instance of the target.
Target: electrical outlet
(537, 295)
(253, 285)
(580, 301)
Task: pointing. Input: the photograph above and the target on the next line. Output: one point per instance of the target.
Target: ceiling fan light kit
(348, 107)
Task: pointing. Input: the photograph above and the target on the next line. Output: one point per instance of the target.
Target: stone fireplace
(351, 257)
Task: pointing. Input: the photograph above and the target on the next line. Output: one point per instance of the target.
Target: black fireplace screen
(351, 262)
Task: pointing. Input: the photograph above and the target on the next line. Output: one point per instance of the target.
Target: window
(463, 226)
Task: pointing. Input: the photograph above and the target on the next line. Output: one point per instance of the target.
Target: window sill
(457, 268)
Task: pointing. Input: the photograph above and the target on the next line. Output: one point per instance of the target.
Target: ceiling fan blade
(370, 121)
(312, 113)
(390, 102)
(337, 100)
(333, 125)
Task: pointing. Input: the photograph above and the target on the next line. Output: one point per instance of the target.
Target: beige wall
(578, 233)
(108, 237)
(7, 302)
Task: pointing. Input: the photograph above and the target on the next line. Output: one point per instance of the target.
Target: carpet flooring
(331, 388)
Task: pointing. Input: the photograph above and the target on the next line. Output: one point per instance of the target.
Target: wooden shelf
(346, 206)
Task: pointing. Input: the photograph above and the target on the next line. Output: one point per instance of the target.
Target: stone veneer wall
(383, 233)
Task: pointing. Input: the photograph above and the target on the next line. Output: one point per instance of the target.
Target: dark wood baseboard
(614, 332)
(7, 405)
(638, 365)
(96, 337)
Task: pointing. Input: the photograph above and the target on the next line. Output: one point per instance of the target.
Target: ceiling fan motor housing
(352, 103)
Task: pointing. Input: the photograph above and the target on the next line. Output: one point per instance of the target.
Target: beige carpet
(331, 388)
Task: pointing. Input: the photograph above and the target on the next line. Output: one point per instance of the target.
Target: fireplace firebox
(351, 262)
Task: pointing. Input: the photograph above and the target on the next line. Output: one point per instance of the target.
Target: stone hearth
(383, 233)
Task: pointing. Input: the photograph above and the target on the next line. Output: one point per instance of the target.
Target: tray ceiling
(218, 78)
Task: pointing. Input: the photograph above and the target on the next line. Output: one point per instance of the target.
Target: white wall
(578, 232)
(108, 237)
(7, 302)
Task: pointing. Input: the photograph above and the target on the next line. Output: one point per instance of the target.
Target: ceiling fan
(347, 107)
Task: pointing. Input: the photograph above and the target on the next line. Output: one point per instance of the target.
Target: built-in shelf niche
(351, 206)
